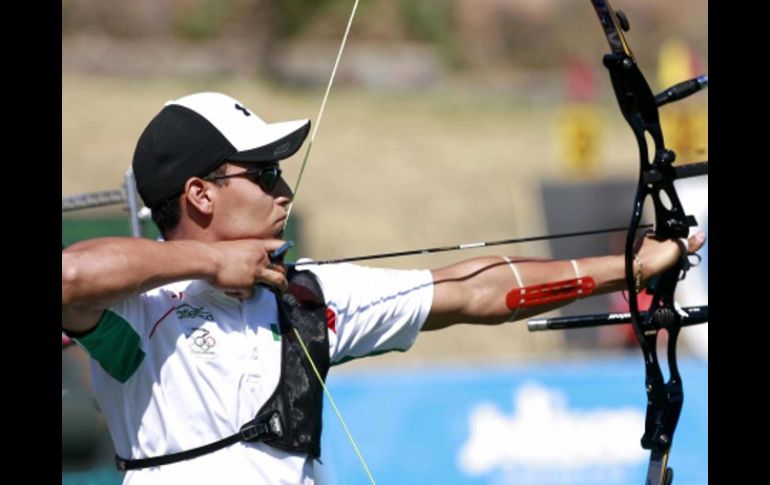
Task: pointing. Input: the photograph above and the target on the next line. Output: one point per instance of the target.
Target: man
(201, 345)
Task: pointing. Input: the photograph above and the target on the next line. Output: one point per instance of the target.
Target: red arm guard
(529, 296)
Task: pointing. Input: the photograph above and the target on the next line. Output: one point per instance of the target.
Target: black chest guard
(298, 398)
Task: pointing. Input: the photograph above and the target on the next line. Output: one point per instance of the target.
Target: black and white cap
(194, 135)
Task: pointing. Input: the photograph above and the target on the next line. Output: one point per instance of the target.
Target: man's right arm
(99, 273)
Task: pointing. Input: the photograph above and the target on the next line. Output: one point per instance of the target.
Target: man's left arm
(474, 290)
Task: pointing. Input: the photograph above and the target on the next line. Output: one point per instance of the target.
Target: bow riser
(656, 180)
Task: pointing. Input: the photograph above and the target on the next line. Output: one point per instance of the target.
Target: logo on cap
(242, 108)
(282, 148)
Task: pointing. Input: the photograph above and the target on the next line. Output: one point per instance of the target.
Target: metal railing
(126, 195)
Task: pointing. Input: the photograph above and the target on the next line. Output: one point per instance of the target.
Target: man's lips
(280, 223)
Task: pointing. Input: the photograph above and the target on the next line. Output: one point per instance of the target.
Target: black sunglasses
(265, 177)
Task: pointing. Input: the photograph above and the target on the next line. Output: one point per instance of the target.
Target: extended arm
(473, 291)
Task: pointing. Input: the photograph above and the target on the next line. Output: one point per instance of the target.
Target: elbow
(69, 280)
(77, 308)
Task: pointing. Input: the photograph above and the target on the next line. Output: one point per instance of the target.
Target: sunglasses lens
(268, 177)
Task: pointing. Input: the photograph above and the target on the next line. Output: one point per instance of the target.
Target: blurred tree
(473, 34)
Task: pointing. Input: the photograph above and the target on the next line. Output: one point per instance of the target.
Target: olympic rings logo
(201, 341)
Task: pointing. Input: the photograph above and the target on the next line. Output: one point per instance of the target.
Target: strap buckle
(263, 428)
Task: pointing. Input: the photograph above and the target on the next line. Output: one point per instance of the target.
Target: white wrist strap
(578, 276)
(518, 281)
(575, 267)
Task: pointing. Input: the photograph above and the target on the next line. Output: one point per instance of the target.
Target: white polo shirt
(185, 365)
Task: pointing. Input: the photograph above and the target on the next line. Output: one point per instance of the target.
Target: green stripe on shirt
(115, 345)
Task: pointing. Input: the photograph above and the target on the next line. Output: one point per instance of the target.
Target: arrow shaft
(461, 247)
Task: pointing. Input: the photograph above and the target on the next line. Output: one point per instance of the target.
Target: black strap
(262, 428)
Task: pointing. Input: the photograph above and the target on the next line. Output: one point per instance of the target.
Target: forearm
(474, 291)
(100, 272)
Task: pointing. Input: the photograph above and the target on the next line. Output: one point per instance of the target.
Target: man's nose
(282, 189)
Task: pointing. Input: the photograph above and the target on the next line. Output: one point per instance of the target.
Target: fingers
(273, 244)
(274, 274)
(275, 277)
(276, 271)
(659, 255)
(695, 242)
(278, 255)
(242, 264)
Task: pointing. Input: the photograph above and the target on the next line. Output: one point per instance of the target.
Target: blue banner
(552, 423)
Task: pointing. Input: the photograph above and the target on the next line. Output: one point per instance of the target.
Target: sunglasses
(265, 177)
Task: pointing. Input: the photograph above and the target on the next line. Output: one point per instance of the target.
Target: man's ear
(199, 194)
